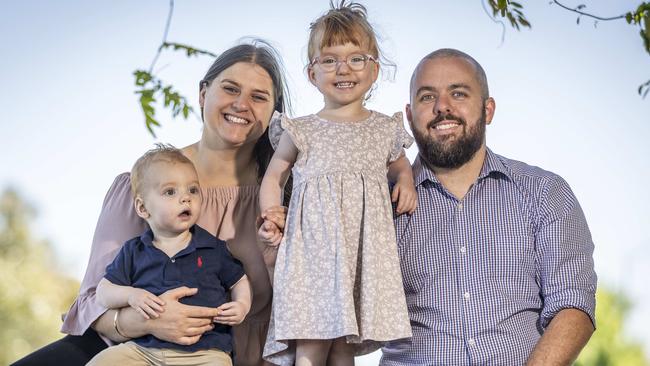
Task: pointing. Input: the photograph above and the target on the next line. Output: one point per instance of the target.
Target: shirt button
(466, 295)
(463, 249)
(460, 206)
(173, 260)
(471, 342)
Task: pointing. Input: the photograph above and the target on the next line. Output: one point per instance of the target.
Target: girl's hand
(405, 196)
(277, 215)
(145, 303)
(269, 233)
(231, 313)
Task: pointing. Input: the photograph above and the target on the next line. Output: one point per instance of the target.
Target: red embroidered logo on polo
(199, 262)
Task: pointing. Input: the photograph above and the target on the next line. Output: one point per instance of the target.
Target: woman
(238, 95)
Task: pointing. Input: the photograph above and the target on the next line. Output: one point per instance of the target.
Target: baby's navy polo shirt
(205, 264)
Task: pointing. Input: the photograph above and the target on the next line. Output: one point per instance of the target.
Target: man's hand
(145, 303)
(179, 323)
(231, 313)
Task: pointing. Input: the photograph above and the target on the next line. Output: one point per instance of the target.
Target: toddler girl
(338, 287)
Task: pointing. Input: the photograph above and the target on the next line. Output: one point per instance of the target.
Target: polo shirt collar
(200, 239)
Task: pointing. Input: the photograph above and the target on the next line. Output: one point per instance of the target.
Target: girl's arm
(277, 173)
(115, 296)
(400, 173)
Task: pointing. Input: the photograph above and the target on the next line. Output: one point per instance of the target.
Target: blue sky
(565, 93)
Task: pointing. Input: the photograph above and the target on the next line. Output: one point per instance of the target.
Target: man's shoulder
(522, 172)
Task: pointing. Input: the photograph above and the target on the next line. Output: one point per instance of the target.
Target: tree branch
(578, 11)
(164, 41)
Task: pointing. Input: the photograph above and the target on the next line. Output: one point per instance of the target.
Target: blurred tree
(33, 292)
(610, 346)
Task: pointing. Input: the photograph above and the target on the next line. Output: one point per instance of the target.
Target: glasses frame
(368, 58)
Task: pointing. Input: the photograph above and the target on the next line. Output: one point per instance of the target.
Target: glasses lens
(327, 63)
(357, 62)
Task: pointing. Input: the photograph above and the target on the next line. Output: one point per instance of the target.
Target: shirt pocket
(513, 268)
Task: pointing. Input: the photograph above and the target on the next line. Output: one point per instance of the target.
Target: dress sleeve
(117, 223)
(401, 138)
(564, 254)
(280, 124)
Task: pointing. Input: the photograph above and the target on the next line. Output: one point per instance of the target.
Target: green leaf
(646, 32)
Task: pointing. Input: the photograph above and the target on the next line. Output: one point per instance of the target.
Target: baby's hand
(145, 303)
(269, 233)
(405, 196)
(231, 313)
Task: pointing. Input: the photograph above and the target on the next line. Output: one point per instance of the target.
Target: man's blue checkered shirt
(485, 275)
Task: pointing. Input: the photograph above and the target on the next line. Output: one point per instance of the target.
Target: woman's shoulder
(120, 189)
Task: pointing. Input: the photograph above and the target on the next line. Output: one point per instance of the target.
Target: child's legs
(341, 353)
(312, 352)
(127, 354)
(206, 357)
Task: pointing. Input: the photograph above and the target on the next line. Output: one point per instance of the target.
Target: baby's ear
(138, 204)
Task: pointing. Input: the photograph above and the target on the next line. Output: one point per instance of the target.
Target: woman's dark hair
(261, 53)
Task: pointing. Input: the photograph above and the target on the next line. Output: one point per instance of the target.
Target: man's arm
(568, 281)
(563, 339)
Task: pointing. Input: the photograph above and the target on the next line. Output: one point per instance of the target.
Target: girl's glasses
(356, 62)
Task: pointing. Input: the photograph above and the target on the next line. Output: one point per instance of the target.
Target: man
(497, 259)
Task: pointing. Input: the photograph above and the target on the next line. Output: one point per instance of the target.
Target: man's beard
(451, 155)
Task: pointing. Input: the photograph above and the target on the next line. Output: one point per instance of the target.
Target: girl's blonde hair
(343, 23)
(347, 22)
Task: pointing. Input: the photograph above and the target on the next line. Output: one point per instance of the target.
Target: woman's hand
(179, 323)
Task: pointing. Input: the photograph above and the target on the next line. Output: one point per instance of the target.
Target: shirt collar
(491, 164)
(200, 239)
